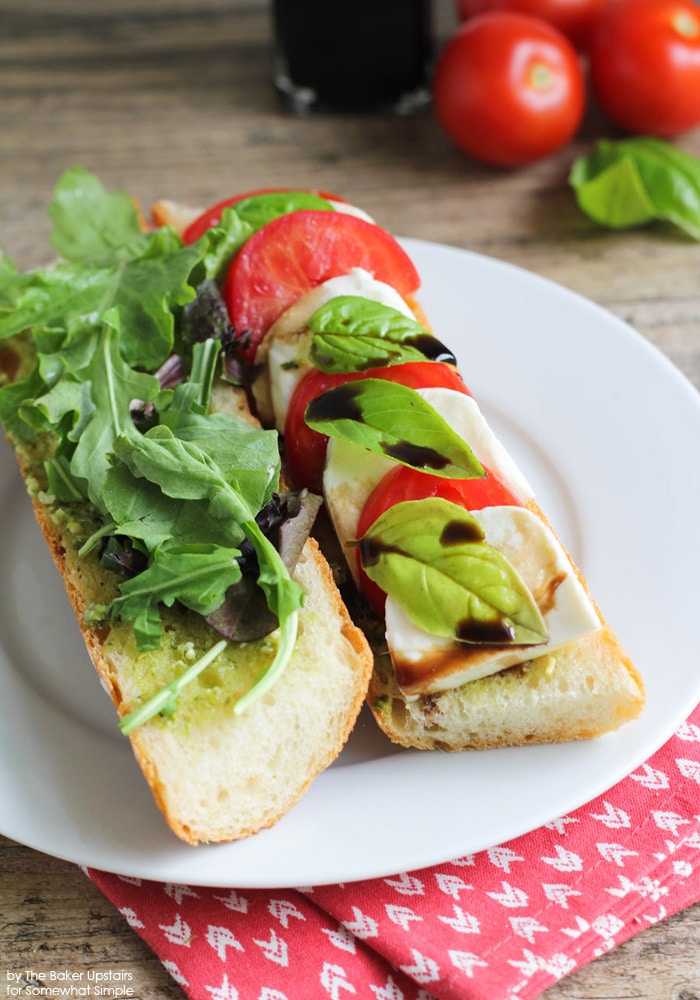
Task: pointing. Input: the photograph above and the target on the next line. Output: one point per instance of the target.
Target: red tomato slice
(212, 215)
(404, 483)
(305, 449)
(294, 253)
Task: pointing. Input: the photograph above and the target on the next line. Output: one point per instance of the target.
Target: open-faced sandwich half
(180, 394)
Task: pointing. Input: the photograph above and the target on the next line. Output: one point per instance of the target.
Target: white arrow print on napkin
(224, 992)
(175, 972)
(362, 927)
(559, 894)
(527, 927)
(565, 861)
(406, 884)
(689, 768)
(613, 818)
(510, 896)
(466, 962)
(178, 933)
(425, 969)
(178, 892)
(557, 965)
(129, 879)
(451, 885)
(341, 938)
(651, 778)
(275, 949)
(669, 821)
(468, 861)
(615, 853)
(689, 732)
(221, 938)
(333, 979)
(389, 991)
(401, 915)
(502, 857)
(131, 918)
(234, 902)
(560, 824)
(576, 932)
(283, 909)
(463, 923)
(646, 887)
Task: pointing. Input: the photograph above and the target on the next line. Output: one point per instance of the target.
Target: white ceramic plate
(604, 427)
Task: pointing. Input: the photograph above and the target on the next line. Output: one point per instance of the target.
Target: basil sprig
(395, 421)
(352, 333)
(432, 558)
(632, 182)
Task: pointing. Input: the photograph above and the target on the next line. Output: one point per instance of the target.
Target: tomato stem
(685, 24)
(541, 76)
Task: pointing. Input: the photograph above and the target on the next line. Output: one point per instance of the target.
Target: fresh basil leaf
(260, 209)
(93, 226)
(431, 557)
(352, 333)
(631, 182)
(393, 420)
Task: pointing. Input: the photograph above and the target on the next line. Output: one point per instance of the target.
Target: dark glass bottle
(353, 55)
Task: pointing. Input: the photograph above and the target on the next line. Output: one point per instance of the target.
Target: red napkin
(503, 924)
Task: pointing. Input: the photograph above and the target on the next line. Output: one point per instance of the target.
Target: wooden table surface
(173, 98)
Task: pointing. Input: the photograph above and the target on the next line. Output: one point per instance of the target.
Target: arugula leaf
(146, 292)
(393, 420)
(112, 387)
(635, 181)
(93, 226)
(352, 333)
(184, 471)
(196, 575)
(220, 244)
(430, 556)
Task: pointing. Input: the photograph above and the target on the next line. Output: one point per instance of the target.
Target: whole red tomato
(508, 89)
(645, 65)
(574, 18)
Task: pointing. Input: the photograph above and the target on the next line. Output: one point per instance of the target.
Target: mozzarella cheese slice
(284, 353)
(425, 663)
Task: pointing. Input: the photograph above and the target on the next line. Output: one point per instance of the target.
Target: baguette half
(577, 692)
(216, 776)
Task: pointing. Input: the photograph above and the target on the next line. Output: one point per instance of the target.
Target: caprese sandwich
(484, 631)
